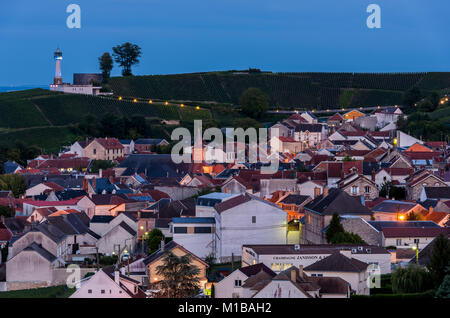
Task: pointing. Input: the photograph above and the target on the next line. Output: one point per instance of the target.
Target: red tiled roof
(422, 155)
(233, 202)
(436, 217)
(353, 133)
(371, 204)
(399, 171)
(379, 133)
(52, 203)
(54, 186)
(110, 143)
(286, 139)
(5, 233)
(73, 163)
(157, 195)
(414, 231)
(336, 116)
(441, 144)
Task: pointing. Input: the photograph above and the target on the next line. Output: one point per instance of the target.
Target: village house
(146, 144)
(358, 185)
(109, 283)
(392, 210)
(402, 237)
(154, 260)
(247, 219)
(279, 257)
(293, 205)
(231, 285)
(420, 179)
(295, 283)
(351, 270)
(197, 234)
(319, 211)
(104, 149)
(128, 146)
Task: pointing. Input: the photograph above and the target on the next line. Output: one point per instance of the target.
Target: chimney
(100, 173)
(373, 175)
(139, 214)
(293, 275)
(442, 174)
(162, 245)
(431, 210)
(117, 276)
(300, 271)
(325, 191)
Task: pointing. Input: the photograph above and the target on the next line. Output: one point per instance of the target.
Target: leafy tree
(440, 259)
(96, 165)
(412, 279)
(106, 65)
(426, 105)
(347, 238)
(154, 240)
(414, 217)
(391, 191)
(138, 123)
(337, 235)
(334, 227)
(7, 211)
(111, 125)
(213, 291)
(444, 289)
(127, 55)
(180, 276)
(254, 102)
(210, 259)
(412, 96)
(14, 183)
(246, 123)
(434, 99)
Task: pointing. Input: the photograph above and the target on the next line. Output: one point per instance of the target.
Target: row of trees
(112, 125)
(414, 99)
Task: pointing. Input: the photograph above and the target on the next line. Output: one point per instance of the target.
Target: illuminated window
(286, 266)
(276, 267)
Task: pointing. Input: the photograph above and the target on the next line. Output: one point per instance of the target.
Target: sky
(182, 36)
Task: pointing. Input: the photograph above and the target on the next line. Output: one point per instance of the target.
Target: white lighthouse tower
(58, 76)
(76, 88)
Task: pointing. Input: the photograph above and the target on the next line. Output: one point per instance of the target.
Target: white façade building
(283, 256)
(204, 206)
(247, 219)
(197, 234)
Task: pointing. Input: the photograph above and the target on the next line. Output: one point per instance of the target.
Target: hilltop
(286, 90)
(49, 119)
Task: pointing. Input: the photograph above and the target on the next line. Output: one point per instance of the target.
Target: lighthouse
(58, 76)
(83, 83)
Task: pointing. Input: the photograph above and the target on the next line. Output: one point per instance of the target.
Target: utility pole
(98, 263)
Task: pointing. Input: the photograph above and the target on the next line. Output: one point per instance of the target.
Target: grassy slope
(46, 292)
(286, 90)
(42, 117)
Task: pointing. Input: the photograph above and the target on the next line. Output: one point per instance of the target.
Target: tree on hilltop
(106, 65)
(127, 55)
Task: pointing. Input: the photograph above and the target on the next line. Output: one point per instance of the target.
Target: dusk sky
(180, 36)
